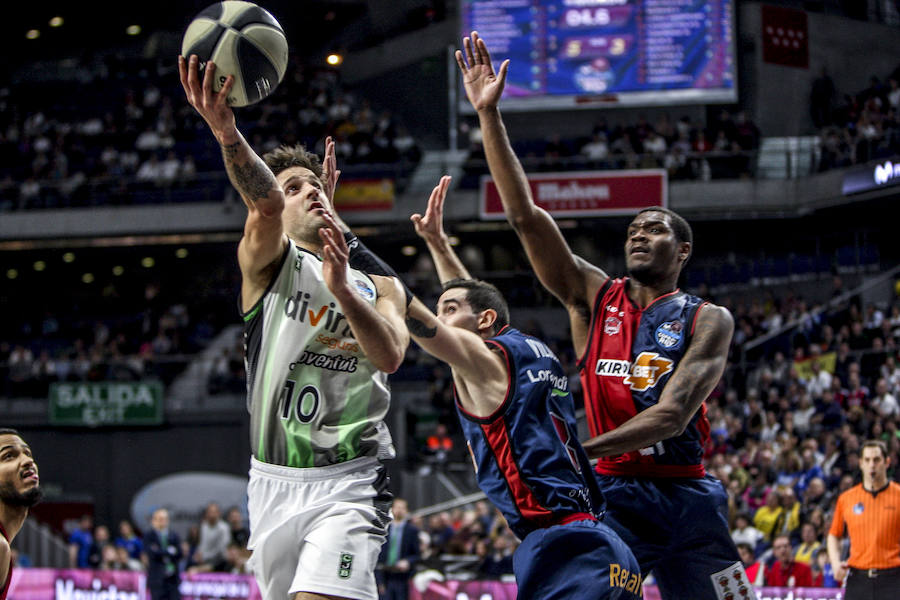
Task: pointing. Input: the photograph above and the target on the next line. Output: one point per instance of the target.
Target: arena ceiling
(313, 26)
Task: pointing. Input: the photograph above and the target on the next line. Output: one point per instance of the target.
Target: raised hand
(431, 227)
(212, 106)
(330, 172)
(335, 256)
(483, 86)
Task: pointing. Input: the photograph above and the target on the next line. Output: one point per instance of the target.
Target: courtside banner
(85, 584)
(499, 590)
(586, 194)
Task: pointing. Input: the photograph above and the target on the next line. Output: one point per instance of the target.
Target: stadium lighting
(69, 257)
(56, 21)
(133, 30)
(33, 34)
(11, 273)
(408, 250)
(87, 278)
(39, 265)
(147, 262)
(181, 253)
(334, 59)
(118, 270)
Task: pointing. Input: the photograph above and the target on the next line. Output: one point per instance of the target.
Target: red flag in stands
(785, 36)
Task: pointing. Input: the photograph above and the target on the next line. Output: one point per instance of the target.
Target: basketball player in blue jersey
(649, 356)
(515, 408)
(320, 339)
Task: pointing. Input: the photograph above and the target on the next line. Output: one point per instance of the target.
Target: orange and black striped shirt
(873, 524)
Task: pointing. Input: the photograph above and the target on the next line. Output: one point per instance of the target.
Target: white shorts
(317, 529)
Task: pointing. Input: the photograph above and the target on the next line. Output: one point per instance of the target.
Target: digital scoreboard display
(571, 53)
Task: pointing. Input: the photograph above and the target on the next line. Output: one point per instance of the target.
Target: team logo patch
(346, 565)
(730, 580)
(858, 508)
(646, 371)
(669, 335)
(612, 325)
(364, 290)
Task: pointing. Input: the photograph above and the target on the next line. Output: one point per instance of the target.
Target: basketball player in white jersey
(320, 339)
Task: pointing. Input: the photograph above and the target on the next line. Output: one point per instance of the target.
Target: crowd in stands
(129, 335)
(856, 128)
(216, 543)
(721, 148)
(132, 137)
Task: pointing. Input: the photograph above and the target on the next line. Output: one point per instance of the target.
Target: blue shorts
(582, 560)
(678, 529)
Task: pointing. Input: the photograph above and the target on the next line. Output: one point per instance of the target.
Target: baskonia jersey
(314, 398)
(527, 457)
(5, 589)
(630, 356)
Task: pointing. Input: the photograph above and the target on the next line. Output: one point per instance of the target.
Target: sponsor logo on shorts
(620, 577)
(345, 566)
(731, 580)
(670, 335)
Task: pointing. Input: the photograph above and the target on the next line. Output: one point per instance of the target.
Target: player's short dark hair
(681, 228)
(875, 444)
(482, 295)
(9, 431)
(284, 157)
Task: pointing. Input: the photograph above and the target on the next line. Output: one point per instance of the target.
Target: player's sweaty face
(650, 245)
(454, 310)
(304, 199)
(17, 467)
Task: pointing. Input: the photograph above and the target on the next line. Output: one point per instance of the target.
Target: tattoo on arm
(253, 178)
(419, 329)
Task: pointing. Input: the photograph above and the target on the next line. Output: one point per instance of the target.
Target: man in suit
(399, 555)
(163, 553)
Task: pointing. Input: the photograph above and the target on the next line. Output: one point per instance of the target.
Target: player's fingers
(479, 59)
(193, 74)
(503, 69)
(209, 74)
(461, 62)
(416, 219)
(485, 55)
(470, 58)
(222, 96)
(182, 72)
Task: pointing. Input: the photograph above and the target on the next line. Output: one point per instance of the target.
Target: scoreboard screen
(585, 53)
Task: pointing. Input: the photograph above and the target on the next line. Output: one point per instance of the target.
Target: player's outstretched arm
(264, 239)
(431, 229)
(568, 277)
(380, 331)
(473, 363)
(691, 383)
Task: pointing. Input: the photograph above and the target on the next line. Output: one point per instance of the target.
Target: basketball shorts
(581, 560)
(678, 529)
(317, 529)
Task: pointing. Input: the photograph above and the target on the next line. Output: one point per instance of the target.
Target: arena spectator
(215, 536)
(80, 542)
(785, 571)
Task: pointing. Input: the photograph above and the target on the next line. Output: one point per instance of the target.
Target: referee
(871, 513)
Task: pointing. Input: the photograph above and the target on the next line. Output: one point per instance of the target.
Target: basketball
(243, 40)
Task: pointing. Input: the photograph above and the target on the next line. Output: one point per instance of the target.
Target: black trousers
(885, 585)
(167, 589)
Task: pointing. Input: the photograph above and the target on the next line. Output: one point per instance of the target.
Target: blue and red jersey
(527, 457)
(5, 589)
(630, 356)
